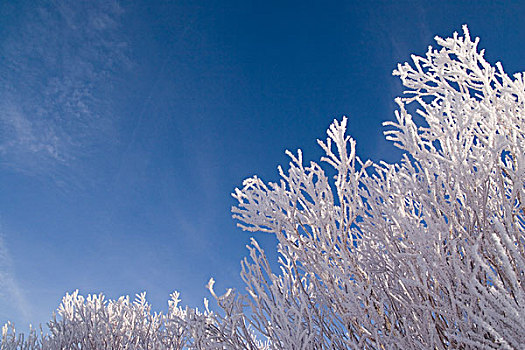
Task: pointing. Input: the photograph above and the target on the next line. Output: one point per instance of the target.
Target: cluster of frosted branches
(428, 253)
(95, 323)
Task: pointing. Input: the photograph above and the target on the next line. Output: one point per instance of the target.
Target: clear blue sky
(125, 126)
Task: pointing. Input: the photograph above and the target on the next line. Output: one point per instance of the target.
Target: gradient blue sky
(125, 126)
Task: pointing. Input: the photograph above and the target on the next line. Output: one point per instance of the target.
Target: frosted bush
(428, 253)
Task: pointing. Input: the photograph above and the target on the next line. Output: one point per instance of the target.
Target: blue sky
(125, 126)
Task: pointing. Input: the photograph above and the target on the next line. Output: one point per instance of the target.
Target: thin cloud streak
(10, 291)
(58, 69)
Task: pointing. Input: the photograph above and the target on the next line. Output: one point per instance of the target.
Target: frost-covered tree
(428, 253)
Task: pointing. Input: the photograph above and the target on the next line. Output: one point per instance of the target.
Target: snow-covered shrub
(96, 323)
(428, 253)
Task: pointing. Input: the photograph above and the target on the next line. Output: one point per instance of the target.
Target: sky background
(125, 126)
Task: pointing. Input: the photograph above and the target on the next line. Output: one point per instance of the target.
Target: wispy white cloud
(10, 292)
(59, 61)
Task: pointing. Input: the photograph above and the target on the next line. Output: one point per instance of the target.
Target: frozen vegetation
(428, 253)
